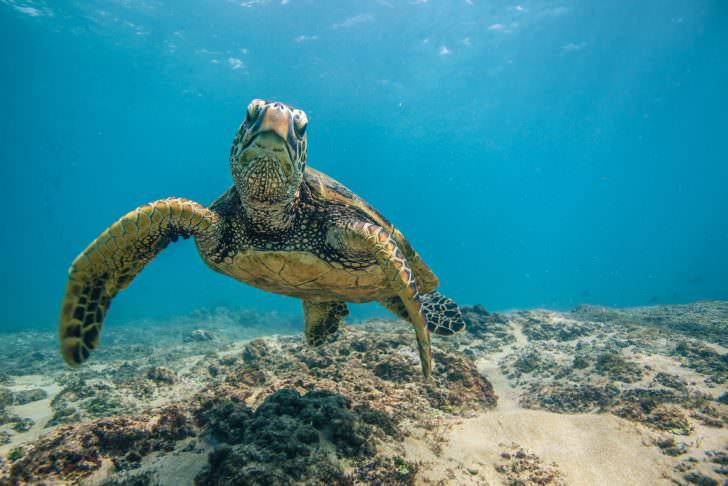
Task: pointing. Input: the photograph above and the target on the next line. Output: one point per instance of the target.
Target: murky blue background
(536, 153)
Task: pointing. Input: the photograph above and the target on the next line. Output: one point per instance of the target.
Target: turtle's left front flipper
(398, 270)
(111, 262)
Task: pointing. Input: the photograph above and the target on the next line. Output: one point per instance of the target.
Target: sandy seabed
(591, 396)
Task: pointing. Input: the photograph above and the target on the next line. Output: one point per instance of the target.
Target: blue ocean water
(536, 153)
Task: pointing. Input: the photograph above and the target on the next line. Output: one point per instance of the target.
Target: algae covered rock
(6, 396)
(287, 440)
(558, 329)
(198, 336)
(27, 396)
(518, 466)
(73, 452)
(570, 398)
(491, 328)
(327, 405)
(278, 411)
(395, 471)
(618, 368)
(704, 359)
(670, 381)
(162, 375)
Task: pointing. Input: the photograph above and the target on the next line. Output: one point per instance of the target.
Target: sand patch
(39, 411)
(587, 448)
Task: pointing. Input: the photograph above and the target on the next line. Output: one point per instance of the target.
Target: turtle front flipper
(322, 320)
(111, 262)
(398, 270)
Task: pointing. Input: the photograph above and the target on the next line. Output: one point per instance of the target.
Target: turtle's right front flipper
(112, 261)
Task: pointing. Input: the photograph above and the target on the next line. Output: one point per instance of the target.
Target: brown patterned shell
(332, 190)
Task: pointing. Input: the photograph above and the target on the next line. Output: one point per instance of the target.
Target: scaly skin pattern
(109, 264)
(322, 320)
(317, 256)
(282, 227)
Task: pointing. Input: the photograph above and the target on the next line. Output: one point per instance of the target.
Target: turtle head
(268, 155)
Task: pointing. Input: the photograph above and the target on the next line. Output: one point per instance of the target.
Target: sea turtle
(282, 227)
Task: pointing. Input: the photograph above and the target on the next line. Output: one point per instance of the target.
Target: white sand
(593, 449)
(39, 411)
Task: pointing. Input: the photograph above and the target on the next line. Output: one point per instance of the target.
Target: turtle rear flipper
(111, 262)
(322, 320)
(442, 314)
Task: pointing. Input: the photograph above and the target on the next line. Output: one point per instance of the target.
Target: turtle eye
(300, 122)
(254, 109)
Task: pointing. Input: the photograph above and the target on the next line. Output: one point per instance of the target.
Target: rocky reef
(519, 398)
(263, 411)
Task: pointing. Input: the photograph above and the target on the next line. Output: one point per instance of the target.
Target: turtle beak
(270, 143)
(276, 120)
